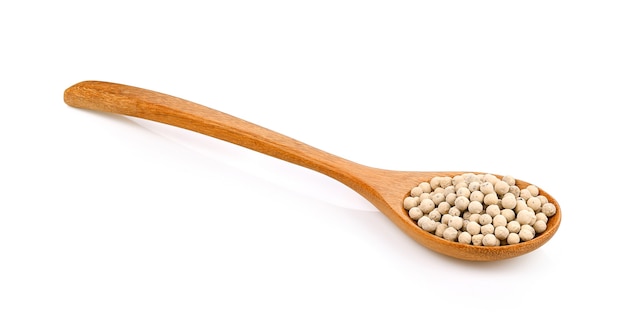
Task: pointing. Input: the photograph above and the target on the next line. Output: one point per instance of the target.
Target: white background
(107, 221)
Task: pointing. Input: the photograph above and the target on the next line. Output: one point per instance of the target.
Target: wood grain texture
(385, 189)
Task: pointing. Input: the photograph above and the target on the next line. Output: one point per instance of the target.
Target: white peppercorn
(525, 217)
(501, 232)
(461, 203)
(501, 187)
(445, 182)
(465, 238)
(514, 226)
(521, 205)
(509, 201)
(509, 179)
(440, 228)
(437, 198)
(477, 240)
(477, 195)
(429, 225)
(434, 182)
(463, 191)
(534, 191)
(474, 186)
(485, 218)
(473, 228)
(490, 178)
(443, 207)
(416, 191)
(486, 188)
(426, 205)
(490, 199)
(454, 211)
(450, 234)
(471, 177)
(525, 194)
(540, 226)
(490, 240)
(458, 179)
(450, 198)
(534, 203)
(446, 218)
(526, 234)
(456, 222)
(499, 220)
(515, 190)
(508, 214)
(548, 209)
(425, 187)
(434, 215)
(415, 213)
(513, 238)
(493, 210)
(410, 202)
(487, 229)
(541, 217)
(475, 207)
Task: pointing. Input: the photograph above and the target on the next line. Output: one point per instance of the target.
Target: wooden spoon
(385, 189)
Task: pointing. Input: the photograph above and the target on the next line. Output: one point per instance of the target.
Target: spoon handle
(159, 107)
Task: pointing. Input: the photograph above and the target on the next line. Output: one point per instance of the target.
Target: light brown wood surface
(385, 189)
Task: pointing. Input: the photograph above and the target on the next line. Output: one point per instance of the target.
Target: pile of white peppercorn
(479, 209)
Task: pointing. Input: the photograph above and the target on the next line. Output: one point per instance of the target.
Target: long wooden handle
(159, 107)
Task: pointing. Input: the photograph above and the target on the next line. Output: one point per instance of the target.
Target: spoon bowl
(385, 189)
